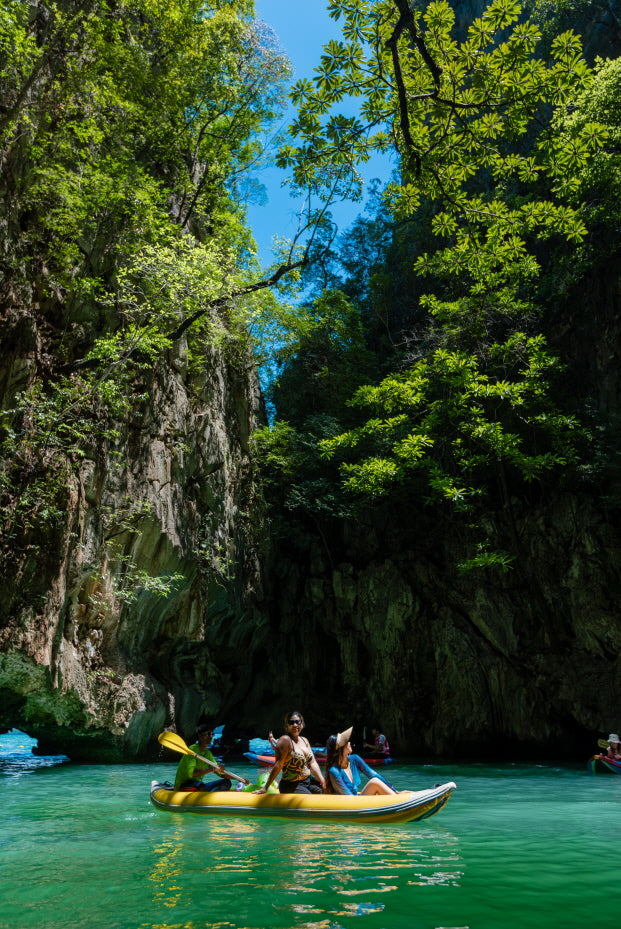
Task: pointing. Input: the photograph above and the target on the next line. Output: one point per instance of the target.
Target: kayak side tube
(394, 808)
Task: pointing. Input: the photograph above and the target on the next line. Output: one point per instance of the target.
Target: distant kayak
(266, 761)
(601, 764)
(394, 808)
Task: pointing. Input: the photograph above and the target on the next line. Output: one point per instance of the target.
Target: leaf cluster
(455, 423)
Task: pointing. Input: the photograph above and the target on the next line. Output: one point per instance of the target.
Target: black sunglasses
(294, 722)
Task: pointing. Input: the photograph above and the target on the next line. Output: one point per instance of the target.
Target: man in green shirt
(189, 771)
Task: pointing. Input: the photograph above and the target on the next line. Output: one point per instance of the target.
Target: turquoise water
(523, 846)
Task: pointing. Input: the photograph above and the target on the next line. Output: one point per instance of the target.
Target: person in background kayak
(614, 747)
(344, 771)
(296, 761)
(189, 772)
(380, 746)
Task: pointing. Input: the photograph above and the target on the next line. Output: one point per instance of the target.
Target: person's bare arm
(314, 766)
(283, 750)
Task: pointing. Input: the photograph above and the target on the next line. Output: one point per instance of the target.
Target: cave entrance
(19, 754)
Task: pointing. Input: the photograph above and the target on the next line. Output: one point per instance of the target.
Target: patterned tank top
(296, 767)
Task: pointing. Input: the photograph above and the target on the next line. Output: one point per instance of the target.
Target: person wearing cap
(190, 774)
(614, 747)
(344, 771)
(296, 761)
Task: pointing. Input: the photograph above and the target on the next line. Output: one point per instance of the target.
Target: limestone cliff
(523, 665)
(94, 660)
(127, 388)
(372, 621)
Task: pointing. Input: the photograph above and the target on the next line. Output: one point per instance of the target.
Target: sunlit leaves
(135, 146)
(451, 111)
(448, 420)
(592, 127)
(472, 413)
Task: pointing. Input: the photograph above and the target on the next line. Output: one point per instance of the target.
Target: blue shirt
(343, 785)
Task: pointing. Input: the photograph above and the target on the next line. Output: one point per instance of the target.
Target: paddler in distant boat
(614, 747)
(295, 759)
(380, 746)
(190, 775)
(344, 770)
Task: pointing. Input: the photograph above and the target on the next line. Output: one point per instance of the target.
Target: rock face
(525, 664)
(373, 622)
(106, 625)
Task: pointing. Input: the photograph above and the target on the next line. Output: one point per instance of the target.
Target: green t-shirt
(188, 764)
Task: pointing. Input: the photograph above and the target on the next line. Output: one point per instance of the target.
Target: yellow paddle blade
(602, 743)
(175, 742)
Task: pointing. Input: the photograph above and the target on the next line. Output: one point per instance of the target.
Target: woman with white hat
(344, 770)
(614, 746)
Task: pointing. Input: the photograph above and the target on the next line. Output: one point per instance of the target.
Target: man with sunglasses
(295, 759)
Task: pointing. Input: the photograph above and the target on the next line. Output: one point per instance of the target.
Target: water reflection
(231, 858)
(83, 848)
(359, 869)
(290, 874)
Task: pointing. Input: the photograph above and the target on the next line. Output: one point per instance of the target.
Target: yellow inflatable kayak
(395, 808)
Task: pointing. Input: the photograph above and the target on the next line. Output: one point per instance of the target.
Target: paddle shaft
(217, 766)
(175, 742)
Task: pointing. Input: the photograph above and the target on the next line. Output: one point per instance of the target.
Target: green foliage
(472, 413)
(327, 360)
(555, 16)
(133, 151)
(451, 111)
(323, 362)
(453, 423)
(484, 558)
(596, 181)
(127, 133)
(131, 583)
(296, 483)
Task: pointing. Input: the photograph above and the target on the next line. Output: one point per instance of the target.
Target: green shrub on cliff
(126, 133)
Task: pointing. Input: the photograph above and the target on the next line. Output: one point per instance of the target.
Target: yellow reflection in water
(307, 875)
(164, 872)
(233, 848)
(190, 925)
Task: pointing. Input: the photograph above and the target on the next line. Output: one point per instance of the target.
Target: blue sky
(303, 29)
